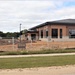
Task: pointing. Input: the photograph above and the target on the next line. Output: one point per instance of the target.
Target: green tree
(2, 34)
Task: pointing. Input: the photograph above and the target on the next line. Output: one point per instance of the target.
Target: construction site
(13, 44)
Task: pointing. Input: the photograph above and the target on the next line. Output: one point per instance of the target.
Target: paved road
(35, 55)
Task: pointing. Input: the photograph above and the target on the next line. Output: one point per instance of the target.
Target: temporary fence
(10, 44)
(43, 45)
(14, 44)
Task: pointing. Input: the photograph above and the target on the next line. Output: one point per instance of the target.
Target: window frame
(54, 33)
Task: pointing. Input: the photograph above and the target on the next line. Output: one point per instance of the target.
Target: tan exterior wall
(44, 34)
(29, 36)
(69, 27)
(63, 27)
(65, 32)
(49, 28)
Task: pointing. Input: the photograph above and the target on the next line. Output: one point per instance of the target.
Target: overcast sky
(33, 12)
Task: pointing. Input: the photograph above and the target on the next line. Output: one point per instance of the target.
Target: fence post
(48, 40)
(13, 42)
(31, 42)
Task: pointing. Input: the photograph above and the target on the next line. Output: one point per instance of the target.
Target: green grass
(30, 62)
(44, 51)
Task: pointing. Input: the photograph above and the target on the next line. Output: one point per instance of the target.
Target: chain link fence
(14, 44)
(8, 43)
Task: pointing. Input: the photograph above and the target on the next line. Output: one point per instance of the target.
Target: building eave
(59, 22)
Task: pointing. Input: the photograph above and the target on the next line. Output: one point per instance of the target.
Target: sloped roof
(32, 31)
(60, 22)
(65, 21)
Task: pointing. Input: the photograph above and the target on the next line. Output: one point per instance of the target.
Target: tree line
(12, 34)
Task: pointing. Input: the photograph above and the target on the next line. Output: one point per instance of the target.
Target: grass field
(44, 51)
(30, 62)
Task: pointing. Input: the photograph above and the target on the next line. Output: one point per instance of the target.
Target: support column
(66, 33)
(39, 33)
(44, 33)
(49, 33)
(58, 33)
(29, 36)
(37, 36)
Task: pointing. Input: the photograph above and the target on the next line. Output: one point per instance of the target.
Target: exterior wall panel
(49, 28)
(65, 32)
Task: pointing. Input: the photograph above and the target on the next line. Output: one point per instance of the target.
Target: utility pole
(20, 32)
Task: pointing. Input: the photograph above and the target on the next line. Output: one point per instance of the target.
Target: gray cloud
(31, 13)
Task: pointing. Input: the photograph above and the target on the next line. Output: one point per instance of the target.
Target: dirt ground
(39, 45)
(60, 70)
